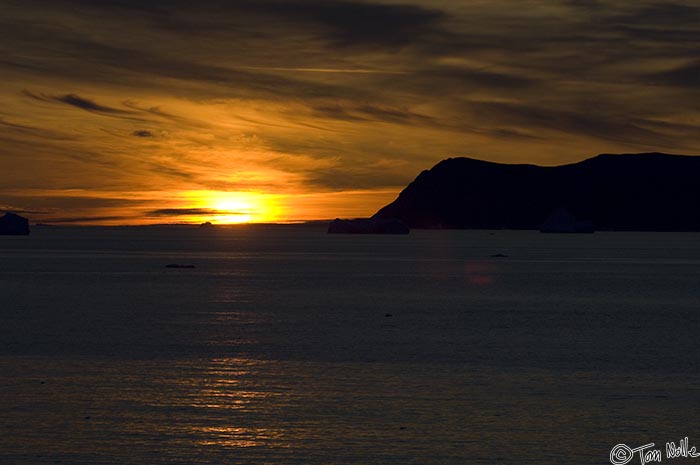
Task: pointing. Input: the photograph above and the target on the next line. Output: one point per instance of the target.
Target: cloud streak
(169, 212)
(78, 102)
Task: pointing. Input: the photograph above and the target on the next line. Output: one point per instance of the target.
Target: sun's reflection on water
(224, 436)
(480, 273)
(231, 397)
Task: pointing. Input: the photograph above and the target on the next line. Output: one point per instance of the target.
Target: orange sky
(131, 112)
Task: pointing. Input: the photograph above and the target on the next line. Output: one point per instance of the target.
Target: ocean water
(285, 345)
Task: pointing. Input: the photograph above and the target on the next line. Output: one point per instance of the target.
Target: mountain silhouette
(634, 192)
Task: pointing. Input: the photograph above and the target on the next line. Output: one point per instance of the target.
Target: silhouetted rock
(499, 255)
(206, 225)
(644, 192)
(368, 226)
(562, 221)
(175, 265)
(12, 224)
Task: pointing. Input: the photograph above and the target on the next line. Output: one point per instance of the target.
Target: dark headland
(630, 192)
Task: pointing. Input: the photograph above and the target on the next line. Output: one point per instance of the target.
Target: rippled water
(289, 346)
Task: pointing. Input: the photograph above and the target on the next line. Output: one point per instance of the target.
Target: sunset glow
(234, 208)
(128, 113)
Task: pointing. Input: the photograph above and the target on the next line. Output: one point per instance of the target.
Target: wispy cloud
(687, 75)
(193, 212)
(78, 102)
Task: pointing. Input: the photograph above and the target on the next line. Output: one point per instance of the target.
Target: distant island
(629, 192)
(14, 225)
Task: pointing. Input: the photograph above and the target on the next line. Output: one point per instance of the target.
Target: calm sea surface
(289, 346)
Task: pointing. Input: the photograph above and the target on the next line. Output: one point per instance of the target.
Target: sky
(139, 112)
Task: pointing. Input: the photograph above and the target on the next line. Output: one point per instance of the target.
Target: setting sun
(233, 207)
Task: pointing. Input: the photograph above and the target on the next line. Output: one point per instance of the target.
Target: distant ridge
(633, 192)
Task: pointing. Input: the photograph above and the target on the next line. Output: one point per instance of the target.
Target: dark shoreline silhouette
(368, 226)
(629, 192)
